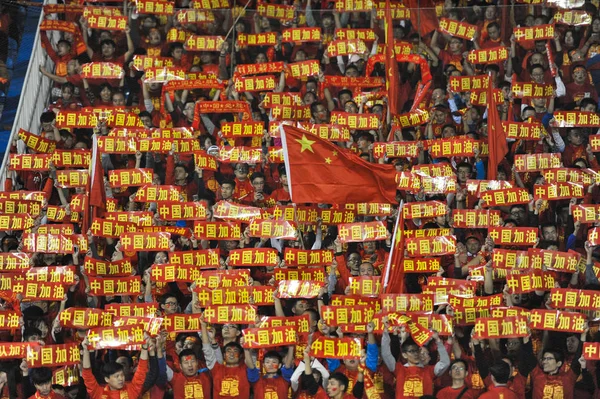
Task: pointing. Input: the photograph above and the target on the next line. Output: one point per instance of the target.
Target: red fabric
(452, 393)
(53, 395)
(391, 66)
(396, 272)
(422, 16)
(559, 385)
(320, 172)
(413, 382)
(271, 388)
(499, 392)
(230, 382)
(498, 147)
(198, 386)
(133, 388)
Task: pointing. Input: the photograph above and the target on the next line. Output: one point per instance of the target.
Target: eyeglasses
(461, 368)
(227, 326)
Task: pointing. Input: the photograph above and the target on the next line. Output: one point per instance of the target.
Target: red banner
(304, 257)
(141, 241)
(428, 209)
(268, 338)
(459, 29)
(406, 303)
(345, 47)
(533, 280)
(130, 177)
(494, 55)
(298, 289)
(114, 286)
(532, 90)
(401, 149)
(253, 257)
(355, 121)
(37, 143)
(520, 236)
(182, 210)
(206, 258)
(459, 84)
(556, 320)
(359, 232)
(475, 218)
(539, 32)
(224, 314)
(505, 197)
(52, 355)
(558, 191)
(17, 221)
(308, 274)
(132, 309)
(336, 348)
(430, 246)
(29, 162)
(494, 328)
(268, 228)
(365, 285)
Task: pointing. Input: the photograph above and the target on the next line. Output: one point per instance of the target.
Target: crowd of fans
(215, 360)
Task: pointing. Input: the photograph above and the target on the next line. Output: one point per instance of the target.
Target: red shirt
(53, 395)
(132, 390)
(230, 382)
(499, 393)
(196, 387)
(546, 386)
(413, 381)
(452, 393)
(272, 388)
(516, 384)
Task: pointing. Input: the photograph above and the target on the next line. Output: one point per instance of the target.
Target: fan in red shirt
(500, 374)
(41, 378)
(458, 389)
(116, 387)
(190, 382)
(552, 380)
(271, 384)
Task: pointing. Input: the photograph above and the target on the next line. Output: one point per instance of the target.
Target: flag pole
(388, 266)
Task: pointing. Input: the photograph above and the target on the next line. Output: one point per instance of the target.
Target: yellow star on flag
(334, 153)
(306, 144)
(328, 160)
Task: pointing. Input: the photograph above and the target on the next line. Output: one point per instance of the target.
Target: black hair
(257, 175)
(145, 113)
(345, 91)
(340, 378)
(228, 181)
(47, 117)
(233, 345)
(558, 355)
(68, 43)
(501, 372)
(111, 368)
(187, 352)
(29, 332)
(108, 41)
(452, 363)
(40, 376)
(407, 344)
(493, 24)
(273, 355)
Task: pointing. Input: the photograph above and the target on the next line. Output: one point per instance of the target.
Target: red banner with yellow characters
(72, 158)
(586, 213)
(17, 221)
(459, 84)
(84, 318)
(459, 29)
(30, 162)
(417, 117)
(572, 17)
(350, 318)
(566, 298)
(475, 218)
(539, 32)
(117, 145)
(307, 274)
(572, 175)
(141, 241)
(355, 121)
(532, 90)
(52, 355)
(554, 260)
(285, 112)
(66, 376)
(350, 82)
(336, 348)
(240, 155)
(398, 10)
(189, 17)
(430, 246)
(14, 261)
(366, 35)
(578, 119)
(64, 228)
(557, 320)
(115, 337)
(519, 236)
(537, 162)
(37, 143)
(132, 309)
(495, 328)
(164, 74)
(32, 290)
(427, 209)
(20, 206)
(49, 243)
(346, 47)
(359, 232)
(306, 257)
(222, 278)
(210, 4)
(510, 259)
(217, 230)
(224, 314)
(255, 338)
(421, 265)
(406, 303)
(558, 191)
(182, 210)
(594, 236)
(115, 286)
(285, 98)
(281, 12)
(253, 257)
(298, 289)
(143, 62)
(168, 273)
(426, 233)
(9, 320)
(505, 197)
(400, 149)
(106, 22)
(442, 169)
(304, 69)
(150, 193)
(365, 286)
(478, 187)
(102, 268)
(102, 70)
(301, 324)
(207, 258)
(239, 129)
(591, 350)
(443, 148)
(494, 55)
(257, 39)
(370, 209)
(480, 97)
(110, 228)
(255, 83)
(72, 178)
(301, 35)
(205, 161)
(260, 295)
(523, 130)
(139, 218)
(52, 274)
(130, 177)
(267, 228)
(533, 280)
(204, 43)
(181, 323)
(231, 211)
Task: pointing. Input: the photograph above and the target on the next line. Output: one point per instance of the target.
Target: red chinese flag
(393, 282)
(391, 65)
(498, 147)
(422, 16)
(96, 188)
(320, 172)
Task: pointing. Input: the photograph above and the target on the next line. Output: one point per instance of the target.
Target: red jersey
(412, 382)
(52, 395)
(230, 382)
(196, 387)
(271, 388)
(321, 394)
(546, 386)
(517, 384)
(499, 393)
(452, 393)
(132, 390)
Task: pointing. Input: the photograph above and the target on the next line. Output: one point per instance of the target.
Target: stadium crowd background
(192, 274)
